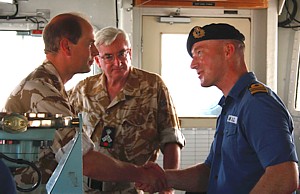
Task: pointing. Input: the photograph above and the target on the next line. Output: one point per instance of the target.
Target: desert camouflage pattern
(41, 91)
(143, 115)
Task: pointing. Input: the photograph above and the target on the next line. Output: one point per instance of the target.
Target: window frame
(294, 78)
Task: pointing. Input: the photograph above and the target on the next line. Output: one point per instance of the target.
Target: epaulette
(257, 88)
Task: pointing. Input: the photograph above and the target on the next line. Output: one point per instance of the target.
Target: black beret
(212, 32)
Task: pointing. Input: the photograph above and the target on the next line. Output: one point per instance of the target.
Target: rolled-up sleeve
(168, 121)
(172, 135)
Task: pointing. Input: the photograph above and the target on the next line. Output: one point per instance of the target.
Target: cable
(33, 19)
(117, 15)
(7, 17)
(31, 164)
(290, 15)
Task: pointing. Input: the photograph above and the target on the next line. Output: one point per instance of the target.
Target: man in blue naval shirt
(253, 150)
(7, 183)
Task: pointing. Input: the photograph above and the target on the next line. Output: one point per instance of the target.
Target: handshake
(153, 179)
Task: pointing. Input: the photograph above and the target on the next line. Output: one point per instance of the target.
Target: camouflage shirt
(41, 91)
(142, 117)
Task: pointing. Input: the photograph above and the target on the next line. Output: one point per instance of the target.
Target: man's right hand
(153, 178)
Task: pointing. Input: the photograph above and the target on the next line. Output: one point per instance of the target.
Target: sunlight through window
(21, 54)
(190, 99)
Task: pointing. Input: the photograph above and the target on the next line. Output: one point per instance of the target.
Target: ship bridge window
(294, 85)
(21, 53)
(163, 51)
(190, 99)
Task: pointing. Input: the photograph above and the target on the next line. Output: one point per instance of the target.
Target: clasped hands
(153, 179)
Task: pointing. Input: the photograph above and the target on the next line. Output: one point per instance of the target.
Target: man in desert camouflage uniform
(127, 112)
(70, 49)
(43, 90)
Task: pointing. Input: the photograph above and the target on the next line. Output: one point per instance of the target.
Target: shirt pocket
(139, 138)
(137, 128)
(230, 138)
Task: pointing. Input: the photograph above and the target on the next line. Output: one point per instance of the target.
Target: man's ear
(130, 53)
(97, 59)
(229, 49)
(65, 46)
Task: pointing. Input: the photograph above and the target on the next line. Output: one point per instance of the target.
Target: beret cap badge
(198, 32)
